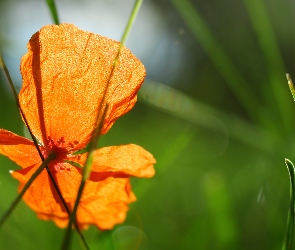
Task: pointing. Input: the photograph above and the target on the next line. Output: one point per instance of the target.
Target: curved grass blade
(218, 56)
(100, 117)
(288, 241)
(53, 11)
(3, 65)
(50, 157)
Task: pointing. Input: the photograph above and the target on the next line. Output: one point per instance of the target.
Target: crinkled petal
(19, 149)
(65, 72)
(104, 202)
(41, 195)
(131, 160)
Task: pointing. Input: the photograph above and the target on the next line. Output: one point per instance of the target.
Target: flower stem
(27, 185)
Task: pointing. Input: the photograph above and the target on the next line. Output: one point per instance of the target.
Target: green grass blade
(288, 241)
(100, 118)
(27, 185)
(261, 24)
(218, 56)
(53, 11)
(291, 86)
(85, 175)
(131, 20)
(178, 104)
(3, 66)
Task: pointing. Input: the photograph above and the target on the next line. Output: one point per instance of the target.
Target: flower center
(58, 147)
(62, 150)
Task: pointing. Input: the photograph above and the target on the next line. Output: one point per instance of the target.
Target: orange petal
(64, 75)
(41, 195)
(19, 149)
(104, 202)
(130, 160)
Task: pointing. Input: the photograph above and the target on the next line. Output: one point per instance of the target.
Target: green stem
(53, 11)
(288, 241)
(131, 21)
(3, 65)
(27, 185)
(99, 123)
(85, 175)
(125, 35)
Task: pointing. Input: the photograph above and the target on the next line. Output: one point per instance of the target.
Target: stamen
(61, 140)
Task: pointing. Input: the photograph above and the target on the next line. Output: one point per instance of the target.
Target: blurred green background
(215, 111)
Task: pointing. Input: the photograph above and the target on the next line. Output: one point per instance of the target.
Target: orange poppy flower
(65, 72)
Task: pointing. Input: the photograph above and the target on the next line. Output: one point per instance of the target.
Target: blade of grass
(50, 157)
(3, 66)
(288, 241)
(218, 56)
(273, 60)
(53, 11)
(291, 86)
(85, 175)
(100, 118)
(182, 106)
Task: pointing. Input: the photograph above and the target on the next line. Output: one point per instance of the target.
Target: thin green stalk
(85, 176)
(67, 238)
(50, 157)
(131, 21)
(3, 65)
(99, 122)
(261, 24)
(53, 11)
(288, 241)
(218, 56)
(125, 35)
